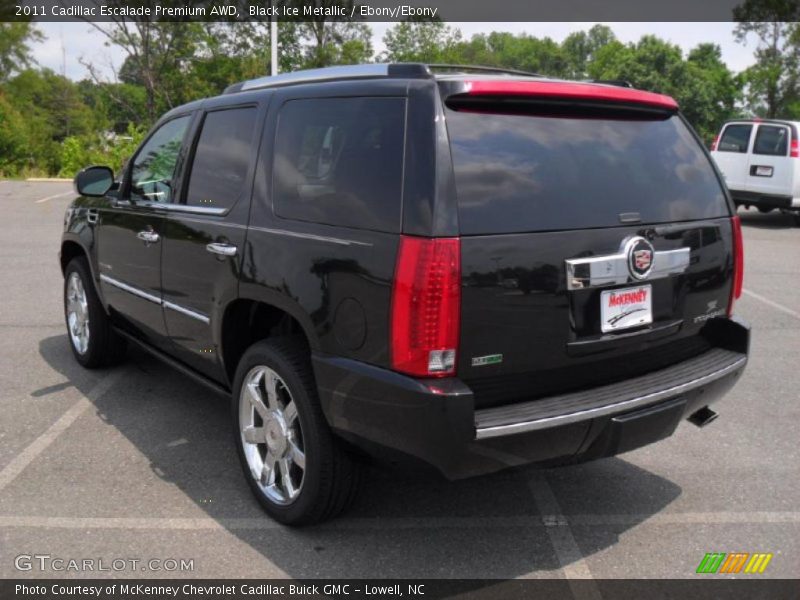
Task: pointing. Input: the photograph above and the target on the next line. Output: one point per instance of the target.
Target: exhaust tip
(703, 417)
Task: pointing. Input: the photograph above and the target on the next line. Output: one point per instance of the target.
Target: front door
(129, 233)
(204, 236)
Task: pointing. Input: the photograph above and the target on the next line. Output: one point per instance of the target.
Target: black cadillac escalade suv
(476, 269)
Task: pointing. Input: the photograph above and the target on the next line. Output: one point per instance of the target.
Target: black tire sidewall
(97, 317)
(279, 355)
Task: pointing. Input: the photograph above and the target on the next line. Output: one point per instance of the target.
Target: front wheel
(92, 339)
(299, 472)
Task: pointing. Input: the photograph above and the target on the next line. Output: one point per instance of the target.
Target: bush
(13, 139)
(105, 148)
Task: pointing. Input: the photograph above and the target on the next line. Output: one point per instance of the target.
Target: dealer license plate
(626, 308)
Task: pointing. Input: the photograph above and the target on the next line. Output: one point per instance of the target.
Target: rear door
(732, 154)
(595, 245)
(770, 167)
(204, 234)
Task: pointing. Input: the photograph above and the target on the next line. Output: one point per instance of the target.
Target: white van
(760, 160)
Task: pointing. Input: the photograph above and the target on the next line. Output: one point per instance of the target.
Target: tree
(580, 48)
(15, 51)
(704, 87)
(420, 41)
(325, 42)
(158, 55)
(54, 110)
(13, 139)
(773, 87)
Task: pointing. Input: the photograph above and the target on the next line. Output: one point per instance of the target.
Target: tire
(764, 210)
(796, 217)
(91, 337)
(323, 478)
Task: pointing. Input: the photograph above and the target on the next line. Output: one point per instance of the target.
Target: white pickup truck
(760, 160)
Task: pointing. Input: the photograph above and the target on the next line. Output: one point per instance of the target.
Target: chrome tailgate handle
(221, 249)
(148, 236)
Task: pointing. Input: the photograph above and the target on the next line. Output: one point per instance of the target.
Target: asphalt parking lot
(137, 462)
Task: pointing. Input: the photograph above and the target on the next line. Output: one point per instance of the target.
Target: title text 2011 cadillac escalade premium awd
(472, 268)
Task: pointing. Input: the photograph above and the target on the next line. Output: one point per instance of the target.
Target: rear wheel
(92, 339)
(299, 472)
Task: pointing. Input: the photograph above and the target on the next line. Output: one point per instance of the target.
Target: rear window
(535, 173)
(735, 138)
(771, 140)
(339, 161)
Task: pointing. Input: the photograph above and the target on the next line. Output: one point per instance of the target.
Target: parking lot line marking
(53, 197)
(548, 521)
(40, 444)
(564, 545)
(773, 304)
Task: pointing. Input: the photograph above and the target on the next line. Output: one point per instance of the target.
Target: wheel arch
(71, 249)
(247, 320)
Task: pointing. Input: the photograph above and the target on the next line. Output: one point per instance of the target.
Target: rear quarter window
(339, 161)
(521, 173)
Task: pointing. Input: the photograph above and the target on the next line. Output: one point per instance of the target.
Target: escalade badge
(640, 257)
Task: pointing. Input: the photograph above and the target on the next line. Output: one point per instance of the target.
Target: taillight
(738, 263)
(714, 143)
(794, 149)
(426, 306)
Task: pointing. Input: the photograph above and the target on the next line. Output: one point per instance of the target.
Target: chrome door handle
(148, 237)
(222, 249)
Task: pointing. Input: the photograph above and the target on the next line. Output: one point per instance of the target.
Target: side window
(153, 168)
(772, 141)
(222, 157)
(339, 161)
(735, 138)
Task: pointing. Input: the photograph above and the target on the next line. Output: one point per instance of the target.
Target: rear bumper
(435, 420)
(761, 200)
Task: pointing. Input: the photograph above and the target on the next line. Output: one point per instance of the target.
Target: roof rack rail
(616, 82)
(480, 69)
(368, 71)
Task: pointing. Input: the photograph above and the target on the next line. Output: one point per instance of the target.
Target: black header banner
(395, 10)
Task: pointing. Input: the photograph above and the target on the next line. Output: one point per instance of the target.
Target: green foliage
(108, 149)
(704, 87)
(15, 52)
(420, 41)
(54, 125)
(13, 139)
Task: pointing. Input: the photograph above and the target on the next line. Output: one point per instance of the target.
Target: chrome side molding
(155, 299)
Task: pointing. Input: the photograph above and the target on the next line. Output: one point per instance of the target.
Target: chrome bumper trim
(652, 398)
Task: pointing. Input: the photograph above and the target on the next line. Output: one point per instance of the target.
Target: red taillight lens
(714, 143)
(794, 149)
(426, 306)
(738, 263)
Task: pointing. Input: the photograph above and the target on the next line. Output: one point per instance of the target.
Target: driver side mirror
(94, 181)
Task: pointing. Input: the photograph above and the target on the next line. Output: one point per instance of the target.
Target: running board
(175, 364)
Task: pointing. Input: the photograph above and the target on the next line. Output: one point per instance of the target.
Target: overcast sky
(80, 40)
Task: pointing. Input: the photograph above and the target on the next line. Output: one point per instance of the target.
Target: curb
(48, 179)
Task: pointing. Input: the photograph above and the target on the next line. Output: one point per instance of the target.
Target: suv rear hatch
(596, 237)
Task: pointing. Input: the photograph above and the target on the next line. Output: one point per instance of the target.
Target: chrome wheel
(77, 313)
(272, 438)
